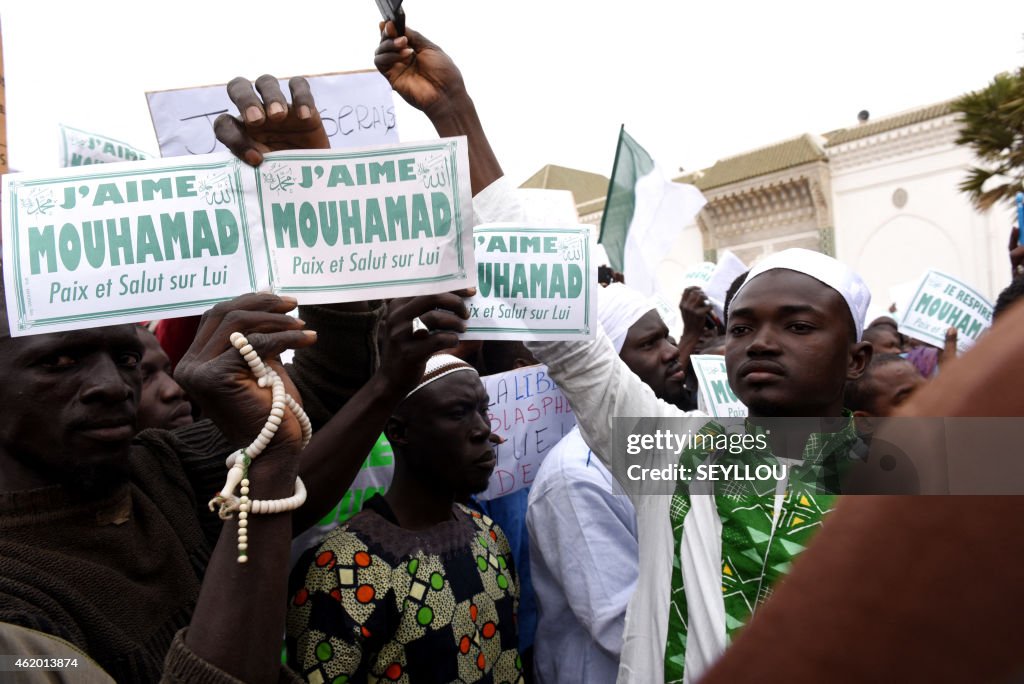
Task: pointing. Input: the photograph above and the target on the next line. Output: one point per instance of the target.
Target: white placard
(698, 274)
(368, 224)
(941, 302)
(119, 243)
(716, 395)
(356, 107)
(81, 148)
(533, 284)
(529, 411)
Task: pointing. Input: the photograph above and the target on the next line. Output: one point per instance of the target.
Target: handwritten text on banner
(357, 110)
(532, 414)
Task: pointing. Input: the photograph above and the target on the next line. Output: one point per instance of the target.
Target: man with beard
(416, 587)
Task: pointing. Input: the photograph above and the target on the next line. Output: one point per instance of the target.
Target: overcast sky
(552, 79)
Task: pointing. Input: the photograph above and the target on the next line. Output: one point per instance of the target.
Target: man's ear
(395, 430)
(860, 357)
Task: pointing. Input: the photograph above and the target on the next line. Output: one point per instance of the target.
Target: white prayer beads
(238, 463)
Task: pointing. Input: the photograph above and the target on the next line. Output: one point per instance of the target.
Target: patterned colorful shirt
(758, 546)
(376, 602)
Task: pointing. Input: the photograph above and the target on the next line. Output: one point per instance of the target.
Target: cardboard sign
(716, 396)
(532, 414)
(81, 148)
(119, 243)
(941, 302)
(533, 284)
(356, 108)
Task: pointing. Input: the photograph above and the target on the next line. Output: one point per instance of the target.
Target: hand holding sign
(221, 382)
(269, 124)
(405, 352)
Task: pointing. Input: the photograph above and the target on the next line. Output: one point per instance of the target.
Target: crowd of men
(111, 555)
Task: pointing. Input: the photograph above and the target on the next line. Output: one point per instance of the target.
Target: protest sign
(356, 108)
(714, 278)
(118, 243)
(941, 302)
(532, 414)
(727, 269)
(698, 275)
(372, 224)
(716, 396)
(81, 148)
(533, 284)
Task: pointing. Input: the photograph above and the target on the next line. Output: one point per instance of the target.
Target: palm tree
(993, 127)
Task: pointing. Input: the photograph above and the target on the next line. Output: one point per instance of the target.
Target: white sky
(552, 79)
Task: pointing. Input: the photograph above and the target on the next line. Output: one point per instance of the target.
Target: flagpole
(611, 183)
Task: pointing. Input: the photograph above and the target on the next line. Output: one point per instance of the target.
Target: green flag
(644, 214)
(631, 163)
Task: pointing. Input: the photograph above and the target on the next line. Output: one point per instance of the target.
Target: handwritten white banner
(356, 107)
(532, 414)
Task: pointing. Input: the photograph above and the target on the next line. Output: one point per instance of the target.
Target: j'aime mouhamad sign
(120, 243)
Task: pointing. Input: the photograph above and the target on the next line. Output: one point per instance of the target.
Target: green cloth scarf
(753, 557)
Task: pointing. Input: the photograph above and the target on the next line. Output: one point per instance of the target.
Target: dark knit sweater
(118, 577)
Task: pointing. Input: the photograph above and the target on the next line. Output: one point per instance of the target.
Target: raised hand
(408, 345)
(418, 70)
(694, 308)
(215, 375)
(268, 123)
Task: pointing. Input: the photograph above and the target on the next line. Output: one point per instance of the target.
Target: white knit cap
(618, 308)
(825, 269)
(438, 366)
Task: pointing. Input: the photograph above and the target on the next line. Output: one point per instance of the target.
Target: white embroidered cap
(825, 269)
(438, 366)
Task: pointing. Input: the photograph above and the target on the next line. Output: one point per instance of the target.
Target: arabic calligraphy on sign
(217, 188)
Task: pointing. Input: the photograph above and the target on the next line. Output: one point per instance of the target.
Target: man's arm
(694, 310)
(428, 79)
(600, 387)
(331, 462)
(239, 616)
